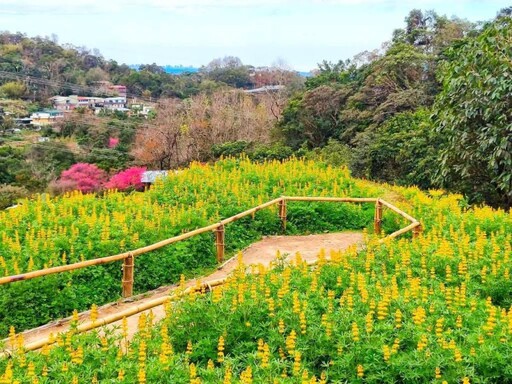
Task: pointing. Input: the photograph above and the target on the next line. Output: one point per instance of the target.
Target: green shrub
(231, 148)
(10, 194)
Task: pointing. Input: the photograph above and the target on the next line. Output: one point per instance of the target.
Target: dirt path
(262, 252)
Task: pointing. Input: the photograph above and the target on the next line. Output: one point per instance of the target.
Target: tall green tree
(403, 151)
(473, 113)
(229, 70)
(13, 90)
(11, 162)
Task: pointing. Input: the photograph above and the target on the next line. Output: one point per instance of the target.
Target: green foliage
(38, 164)
(347, 100)
(428, 310)
(231, 148)
(67, 229)
(341, 72)
(11, 162)
(432, 32)
(108, 159)
(399, 81)
(256, 152)
(48, 160)
(43, 300)
(275, 151)
(228, 70)
(404, 150)
(473, 113)
(95, 131)
(17, 107)
(334, 153)
(45, 58)
(379, 108)
(313, 118)
(10, 194)
(13, 90)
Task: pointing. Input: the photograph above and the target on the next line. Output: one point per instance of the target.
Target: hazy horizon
(193, 32)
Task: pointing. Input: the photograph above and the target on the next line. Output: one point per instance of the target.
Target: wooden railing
(219, 229)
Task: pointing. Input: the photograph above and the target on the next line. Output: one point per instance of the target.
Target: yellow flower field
(433, 309)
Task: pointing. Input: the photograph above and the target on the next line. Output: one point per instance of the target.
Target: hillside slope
(64, 230)
(431, 309)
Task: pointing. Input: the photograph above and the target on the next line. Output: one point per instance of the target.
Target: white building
(114, 103)
(46, 117)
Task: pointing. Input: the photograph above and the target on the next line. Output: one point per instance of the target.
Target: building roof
(266, 88)
(151, 176)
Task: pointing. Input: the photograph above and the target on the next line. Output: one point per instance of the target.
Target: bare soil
(262, 252)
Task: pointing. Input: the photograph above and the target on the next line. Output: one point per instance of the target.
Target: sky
(300, 33)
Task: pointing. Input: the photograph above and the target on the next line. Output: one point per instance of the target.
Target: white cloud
(102, 6)
(114, 6)
(195, 31)
(57, 6)
(417, 3)
(105, 6)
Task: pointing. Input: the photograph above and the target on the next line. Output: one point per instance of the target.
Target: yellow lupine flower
(94, 313)
(228, 375)
(360, 371)
(355, 332)
(296, 363)
(290, 342)
(281, 327)
(398, 319)
(457, 355)
(303, 323)
(220, 350)
(246, 376)
(189, 348)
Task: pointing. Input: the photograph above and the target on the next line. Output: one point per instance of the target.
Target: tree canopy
(473, 112)
(432, 108)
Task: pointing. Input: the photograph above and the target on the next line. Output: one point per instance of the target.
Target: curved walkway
(261, 252)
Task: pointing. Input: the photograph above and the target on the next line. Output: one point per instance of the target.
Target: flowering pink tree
(84, 177)
(112, 142)
(128, 179)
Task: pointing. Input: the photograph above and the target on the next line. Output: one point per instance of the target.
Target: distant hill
(172, 69)
(54, 69)
(180, 69)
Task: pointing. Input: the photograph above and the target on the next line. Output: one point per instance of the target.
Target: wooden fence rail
(219, 229)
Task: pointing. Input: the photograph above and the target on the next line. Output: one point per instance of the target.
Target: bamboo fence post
(417, 231)
(378, 217)
(128, 257)
(282, 213)
(128, 273)
(219, 242)
(399, 211)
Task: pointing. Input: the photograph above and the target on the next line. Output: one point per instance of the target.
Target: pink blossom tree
(128, 179)
(113, 142)
(84, 177)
